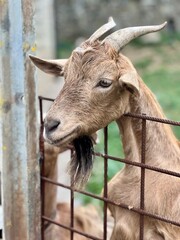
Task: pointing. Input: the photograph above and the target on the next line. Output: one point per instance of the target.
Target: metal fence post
(19, 140)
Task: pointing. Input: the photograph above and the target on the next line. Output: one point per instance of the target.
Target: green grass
(165, 84)
(65, 49)
(144, 63)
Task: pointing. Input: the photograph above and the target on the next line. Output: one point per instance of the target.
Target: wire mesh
(142, 165)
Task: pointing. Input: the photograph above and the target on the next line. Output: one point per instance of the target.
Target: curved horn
(122, 37)
(102, 30)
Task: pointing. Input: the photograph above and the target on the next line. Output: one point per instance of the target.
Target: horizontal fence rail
(142, 165)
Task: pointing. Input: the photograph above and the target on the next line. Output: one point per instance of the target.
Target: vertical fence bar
(42, 164)
(105, 180)
(72, 206)
(18, 113)
(142, 187)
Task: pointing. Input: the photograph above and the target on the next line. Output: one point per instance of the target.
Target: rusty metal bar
(105, 180)
(137, 164)
(141, 211)
(142, 184)
(42, 164)
(72, 207)
(72, 213)
(18, 106)
(130, 208)
(150, 118)
(71, 229)
(46, 98)
(135, 115)
(41, 111)
(154, 119)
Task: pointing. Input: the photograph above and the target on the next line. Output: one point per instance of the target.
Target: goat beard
(81, 163)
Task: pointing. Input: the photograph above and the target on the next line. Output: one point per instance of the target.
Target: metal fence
(142, 165)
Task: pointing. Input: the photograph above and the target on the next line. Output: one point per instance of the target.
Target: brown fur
(83, 107)
(86, 220)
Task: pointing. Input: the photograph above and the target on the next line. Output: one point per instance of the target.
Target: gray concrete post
(19, 132)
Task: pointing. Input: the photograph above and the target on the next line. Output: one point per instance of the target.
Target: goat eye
(104, 83)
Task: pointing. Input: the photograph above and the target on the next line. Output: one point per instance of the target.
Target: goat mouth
(66, 139)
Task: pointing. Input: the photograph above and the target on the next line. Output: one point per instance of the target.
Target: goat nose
(51, 125)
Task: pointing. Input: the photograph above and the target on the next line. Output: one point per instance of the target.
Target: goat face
(98, 83)
(92, 97)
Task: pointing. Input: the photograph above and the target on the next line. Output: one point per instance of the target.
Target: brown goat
(100, 86)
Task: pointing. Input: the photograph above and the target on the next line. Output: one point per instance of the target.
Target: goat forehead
(96, 55)
(90, 65)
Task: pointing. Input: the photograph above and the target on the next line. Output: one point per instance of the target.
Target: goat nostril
(51, 125)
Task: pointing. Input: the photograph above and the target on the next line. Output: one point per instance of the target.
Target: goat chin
(81, 163)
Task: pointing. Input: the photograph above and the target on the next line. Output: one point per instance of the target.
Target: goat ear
(130, 81)
(54, 67)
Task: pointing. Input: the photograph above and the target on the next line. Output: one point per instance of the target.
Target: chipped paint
(8, 224)
(34, 47)
(2, 1)
(28, 47)
(4, 148)
(1, 102)
(1, 44)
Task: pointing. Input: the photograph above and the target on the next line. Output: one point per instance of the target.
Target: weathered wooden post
(19, 140)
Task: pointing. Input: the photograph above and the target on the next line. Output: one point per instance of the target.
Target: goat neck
(166, 149)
